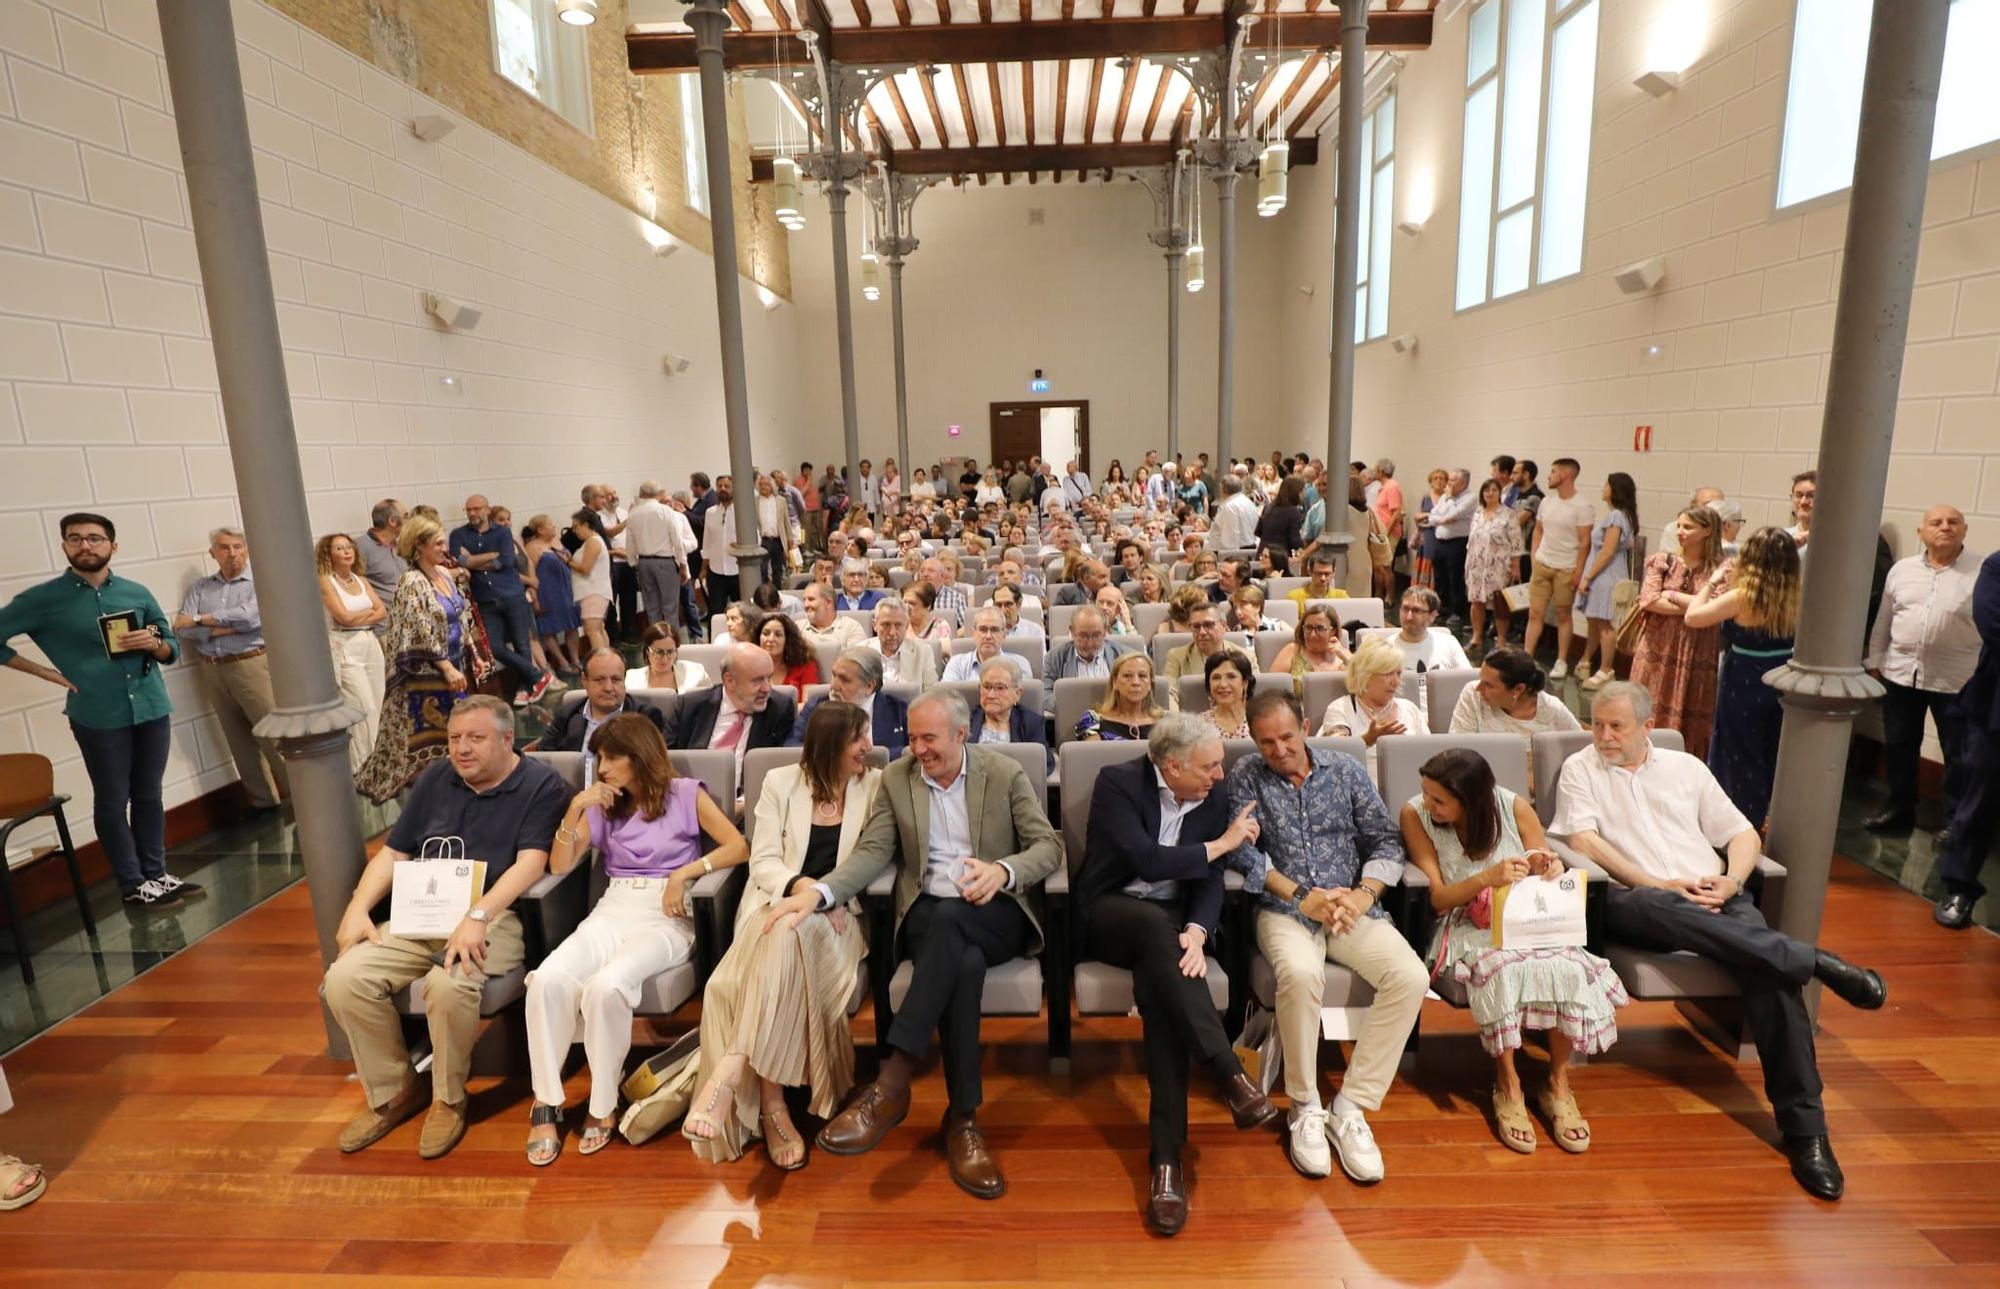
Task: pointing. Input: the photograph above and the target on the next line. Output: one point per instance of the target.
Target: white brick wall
(1744, 318)
(107, 378)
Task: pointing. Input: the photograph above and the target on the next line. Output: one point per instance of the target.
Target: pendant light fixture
(577, 13)
(871, 263)
(785, 167)
(1275, 161)
(1197, 256)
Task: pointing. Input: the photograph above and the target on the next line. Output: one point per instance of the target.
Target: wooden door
(1017, 431)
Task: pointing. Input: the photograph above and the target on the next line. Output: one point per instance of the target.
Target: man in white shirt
(989, 634)
(1923, 649)
(904, 661)
(1560, 546)
(1451, 517)
(1235, 526)
(1008, 601)
(871, 489)
(659, 539)
(1422, 644)
(1161, 489)
(602, 500)
(1075, 486)
(718, 540)
(823, 623)
(1654, 820)
(1009, 573)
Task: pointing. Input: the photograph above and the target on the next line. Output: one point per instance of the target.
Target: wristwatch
(477, 915)
(1298, 894)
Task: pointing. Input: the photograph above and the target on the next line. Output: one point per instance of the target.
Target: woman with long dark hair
(1281, 528)
(1675, 661)
(1471, 837)
(793, 661)
(1608, 564)
(774, 1013)
(1759, 614)
(1491, 554)
(647, 823)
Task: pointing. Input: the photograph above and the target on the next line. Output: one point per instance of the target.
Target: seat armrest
(1414, 916)
(1057, 882)
(1596, 908)
(550, 909)
(714, 899)
(884, 883)
(1769, 882)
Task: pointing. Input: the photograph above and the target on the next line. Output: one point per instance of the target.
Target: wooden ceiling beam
(1084, 159)
(903, 114)
(999, 104)
(1159, 101)
(1062, 101)
(1319, 96)
(1299, 79)
(931, 101)
(1130, 78)
(1090, 103)
(1027, 100)
(988, 41)
(965, 104)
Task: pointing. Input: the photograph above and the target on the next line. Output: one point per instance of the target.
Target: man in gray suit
(1089, 651)
(971, 840)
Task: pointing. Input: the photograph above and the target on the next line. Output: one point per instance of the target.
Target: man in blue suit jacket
(857, 679)
(1978, 810)
(1149, 898)
(999, 717)
(855, 592)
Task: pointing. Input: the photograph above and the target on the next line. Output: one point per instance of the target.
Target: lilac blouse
(636, 847)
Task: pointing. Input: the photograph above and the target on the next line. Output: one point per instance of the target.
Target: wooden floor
(189, 1124)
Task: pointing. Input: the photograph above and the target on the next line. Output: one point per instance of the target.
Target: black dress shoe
(1166, 1201)
(1954, 911)
(1815, 1167)
(1856, 986)
(1890, 821)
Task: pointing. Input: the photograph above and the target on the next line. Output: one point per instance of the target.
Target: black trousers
(1179, 1018)
(625, 598)
(1975, 816)
(1451, 574)
(1771, 969)
(1903, 711)
(723, 590)
(950, 944)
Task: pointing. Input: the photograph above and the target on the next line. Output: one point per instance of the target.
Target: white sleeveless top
(598, 580)
(353, 603)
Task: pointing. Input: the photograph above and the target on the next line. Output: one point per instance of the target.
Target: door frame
(1082, 406)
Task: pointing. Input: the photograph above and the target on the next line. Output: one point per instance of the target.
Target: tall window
(544, 57)
(1378, 220)
(1530, 86)
(694, 146)
(1823, 108)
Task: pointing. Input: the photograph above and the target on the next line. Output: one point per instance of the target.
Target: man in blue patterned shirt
(1327, 851)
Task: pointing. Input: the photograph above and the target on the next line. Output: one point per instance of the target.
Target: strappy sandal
(12, 1172)
(596, 1136)
(776, 1133)
(1514, 1128)
(705, 1116)
(542, 1151)
(1566, 1120)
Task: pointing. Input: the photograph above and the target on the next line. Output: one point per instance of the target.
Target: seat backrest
(1235, 749)
(1322, 690)
(1398, 760)
(568, 764)
(1366, 609)
(1079, 765)
(865, 618)
(710, 656)
(1075, 694)
(1033, 758)
(1444, 688)
(1281, 588)
(1282, 610)
(760, 761)
(565, 705)
(715, 767)
(812, 692)
(1148, 618)
(666, 700)
(900, 578)
(1032, 650)
(1553, 747)
(1164, 643)
(27, 780)
(1059, 616)
(827, 653)
(1031, 694)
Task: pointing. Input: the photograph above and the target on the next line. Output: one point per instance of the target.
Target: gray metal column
(843, 303)
(1225, 286)
(710, 18)
(1175, 256)
(1823, 685)
(893, 256)
(309, 720)
(1347, 217)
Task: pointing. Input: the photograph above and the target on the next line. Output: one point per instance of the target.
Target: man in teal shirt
(117, 708)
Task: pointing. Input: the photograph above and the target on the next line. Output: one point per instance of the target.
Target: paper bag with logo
(1540, 912)
(432, 892)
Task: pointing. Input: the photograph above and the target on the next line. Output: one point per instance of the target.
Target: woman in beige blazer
(775, 1010)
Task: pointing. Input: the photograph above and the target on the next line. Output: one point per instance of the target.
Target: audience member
(1008, 601)
(219, 617)
(379, 562)
(1674, 662)
(1425, 647)
(1126, 709)
(1316, 646)
(1758, 612)
(662, 540)
(1386, 533)
(793, 661)
(352, 612)
(1373, 707)
(647, 823)
(490, 553)
(957, 915)
(665, 668)
(740, 713)
(1149, 899)
(1451, 517)
(1654, 820)
(1325, 853)
(1805, 493)
(1246, 612)
(919, 601)
(905, 660)
(553, 598)
(117, 706)
(1116, 612)
(1228, 678)
(989, 637)
(1509, 698)
(824, 624)
(595, 575)
(1472, 838)
(857, 681)
(1492, 554)
(1561, 542)
(1969, 831)
(503, 809)
(1424, 571)
(1608, 563)
(718, 545)
(1281, 528)
(1206, 626)
(604, 700)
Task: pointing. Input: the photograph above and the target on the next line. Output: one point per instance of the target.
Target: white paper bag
(1541, 912)
(431, 893)
(1516, 597)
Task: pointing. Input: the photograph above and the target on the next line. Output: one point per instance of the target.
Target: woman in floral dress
(1489, 562)
(1675, 662)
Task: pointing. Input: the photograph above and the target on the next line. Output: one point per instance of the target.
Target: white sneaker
(1600, 679)
(1309, 1152)
(1560, 670)
(1360, 1159)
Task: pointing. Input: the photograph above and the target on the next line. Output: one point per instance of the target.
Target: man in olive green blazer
(972, 843)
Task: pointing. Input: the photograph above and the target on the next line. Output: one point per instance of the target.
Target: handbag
(1625, 639)
(661, 1089)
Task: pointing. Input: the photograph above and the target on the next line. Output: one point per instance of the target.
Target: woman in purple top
(647, 823)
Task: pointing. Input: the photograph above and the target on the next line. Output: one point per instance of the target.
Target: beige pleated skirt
(780, 999)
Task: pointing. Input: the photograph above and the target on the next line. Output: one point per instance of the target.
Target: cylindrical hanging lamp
(1197, 276)
(785, 193)
(1271, 177)
(871, 277)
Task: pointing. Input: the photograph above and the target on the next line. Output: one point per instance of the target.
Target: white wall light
(769, 298)
(1410, 227)
(785, 193)
(658, 238)
(1403, 344)
(458, 317)
(1419, 200)
(431, 127)
(577, 13)
(1658, 82)
(1643, 276)
(673, 364)
(1674, 43)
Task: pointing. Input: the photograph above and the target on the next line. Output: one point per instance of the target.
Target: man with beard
(117, 707)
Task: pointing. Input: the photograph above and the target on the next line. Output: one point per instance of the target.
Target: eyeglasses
(85, 539)
(1422, 610)
(661, 652)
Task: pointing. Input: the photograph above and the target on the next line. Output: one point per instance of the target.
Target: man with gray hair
(855, 593)
(904, 660)
(219, 617)
(1235, 526)
(1654, 820)
(1451, 520)
(857, 679)
(380, 564)
(989, 638)
(1149, 899)
(659, 540)
(970, 839)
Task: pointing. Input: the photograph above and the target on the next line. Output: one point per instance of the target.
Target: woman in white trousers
(353, 611)
(647, 823)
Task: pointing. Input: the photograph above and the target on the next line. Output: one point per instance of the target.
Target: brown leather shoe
(444, 1127)
(1248, 1106)
(1166, 1205)
(972, 1164)
(371, 1125)
(867, 1119)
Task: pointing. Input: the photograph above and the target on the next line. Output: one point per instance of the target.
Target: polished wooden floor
(189, 1122)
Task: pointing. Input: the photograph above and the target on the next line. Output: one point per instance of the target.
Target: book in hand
(114, 627)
